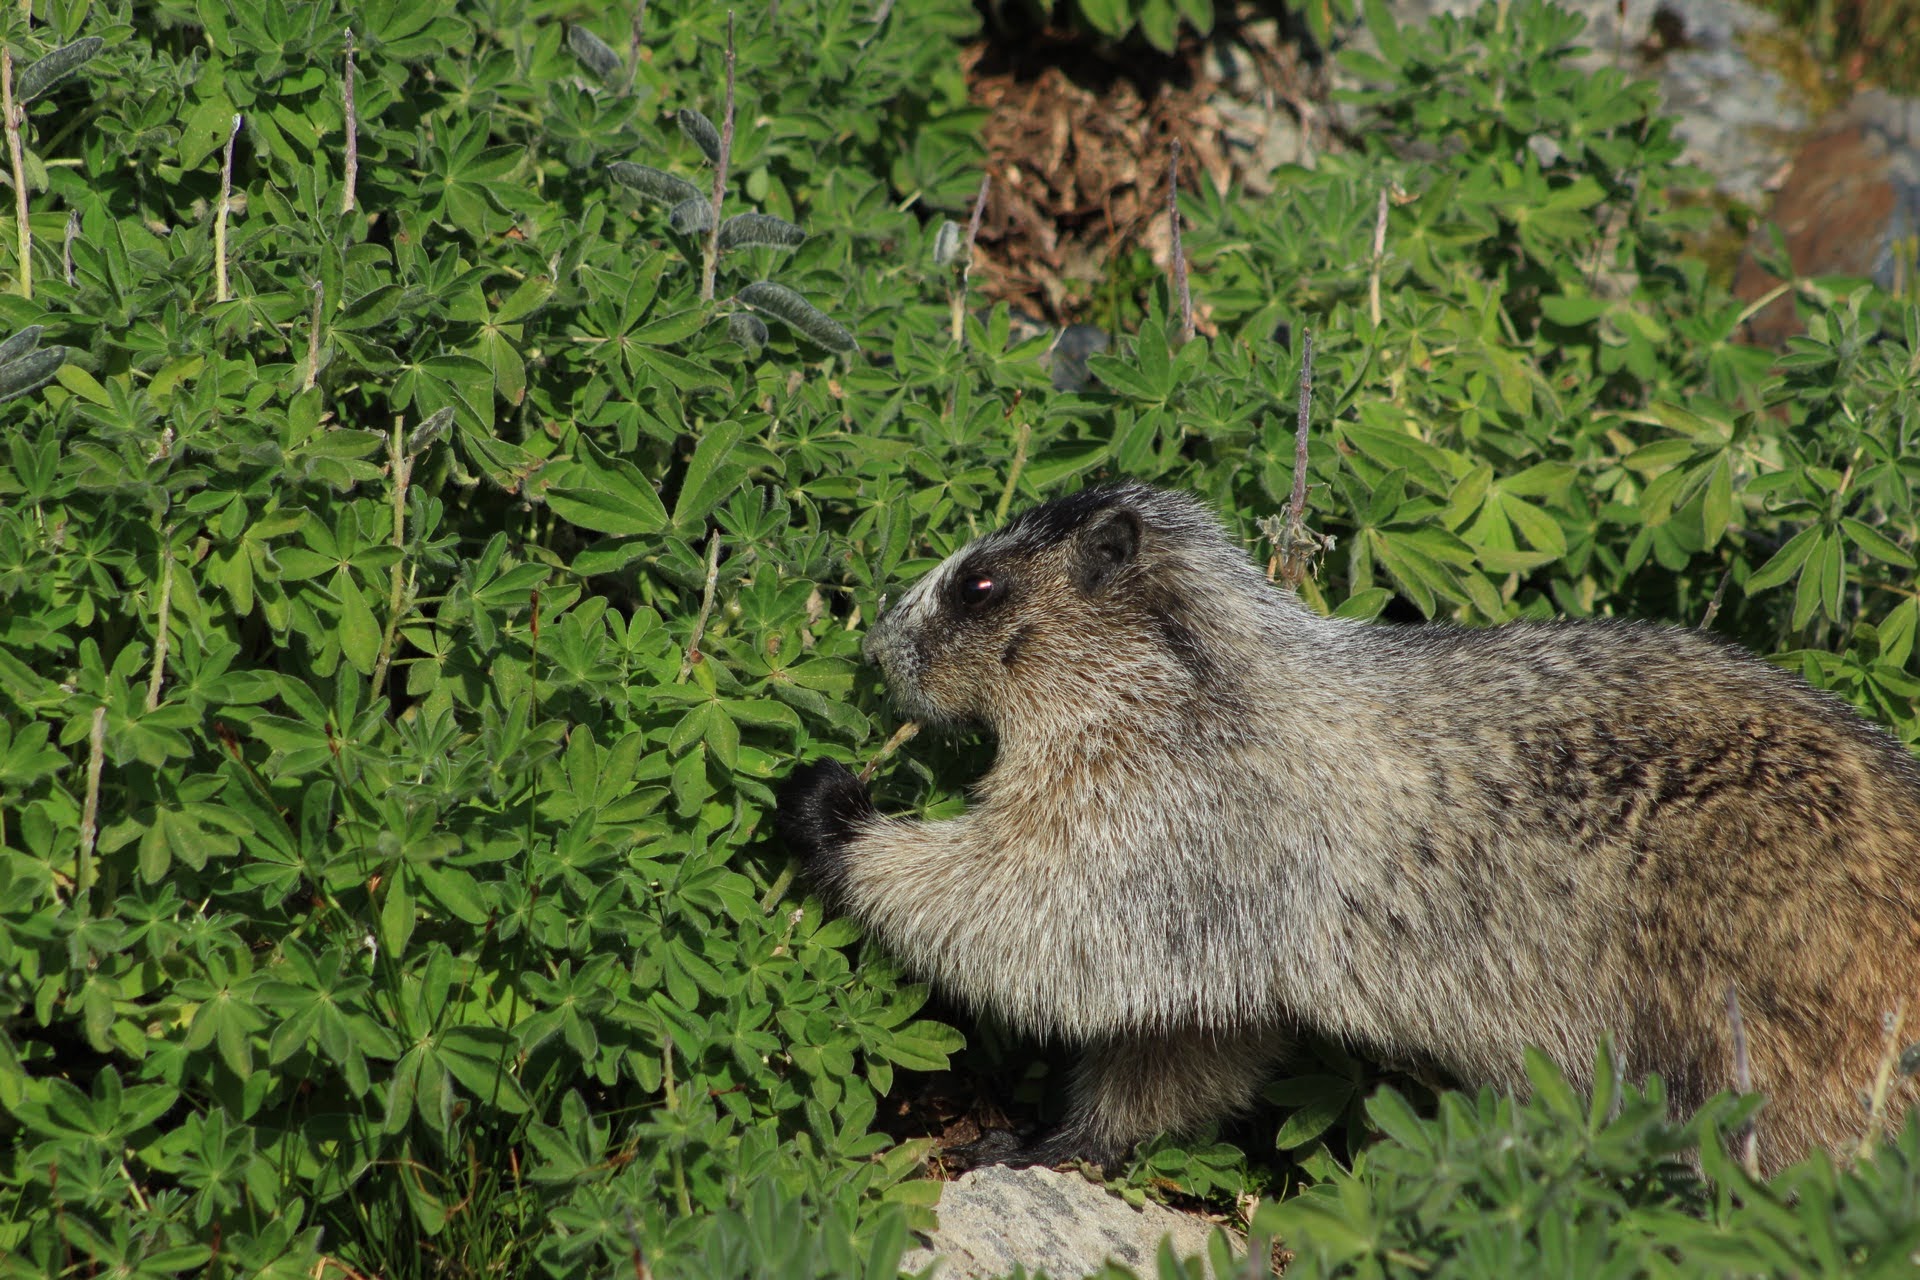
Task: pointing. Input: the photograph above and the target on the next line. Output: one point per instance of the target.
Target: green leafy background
(396, 655)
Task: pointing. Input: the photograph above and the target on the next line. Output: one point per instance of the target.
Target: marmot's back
(1707, 819)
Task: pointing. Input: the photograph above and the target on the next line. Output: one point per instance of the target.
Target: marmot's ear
(1105, 544)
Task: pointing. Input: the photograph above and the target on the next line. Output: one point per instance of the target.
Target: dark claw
(818, 810)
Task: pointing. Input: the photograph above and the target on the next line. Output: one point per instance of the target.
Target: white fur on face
(890, 643)
(920, 602)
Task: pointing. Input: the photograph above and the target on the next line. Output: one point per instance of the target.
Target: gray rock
(1849, 206)
(1259, 140)
(1070, 351)
(996, 1217)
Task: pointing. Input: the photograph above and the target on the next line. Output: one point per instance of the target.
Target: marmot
(1216, 818)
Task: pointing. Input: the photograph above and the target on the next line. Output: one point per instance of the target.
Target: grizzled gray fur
(1217, 818)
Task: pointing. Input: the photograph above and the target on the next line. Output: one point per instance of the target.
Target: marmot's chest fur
(1215, 816)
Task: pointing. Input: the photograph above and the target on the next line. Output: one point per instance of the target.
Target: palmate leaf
(608, 495)
(788, 307)
(1316, 1103)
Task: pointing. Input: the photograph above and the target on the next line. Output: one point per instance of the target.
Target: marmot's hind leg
(1126, 1090)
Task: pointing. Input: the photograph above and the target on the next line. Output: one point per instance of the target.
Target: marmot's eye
(977, 590)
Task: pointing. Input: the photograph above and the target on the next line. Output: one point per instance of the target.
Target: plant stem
(673, 1105)
(90, 809)
(400, 467)
(900, 738)
(66, 245)
(958, 298)
(352, 166)
(1761, 303)
(706, 609)
(1021, 435)
(1743, 1080)
(220, 290)
(166, 610)
(1181, 292)
(1882, 1080)
(711, 266)
(777, 890)
(1295, 540)
(13, 119)
(313, 337)
(133, 1187)
(1719, 597)
(1379, 249)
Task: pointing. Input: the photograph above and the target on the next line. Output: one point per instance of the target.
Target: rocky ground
(1060, 1223)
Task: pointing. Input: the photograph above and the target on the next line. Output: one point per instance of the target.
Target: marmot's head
(1076, 608)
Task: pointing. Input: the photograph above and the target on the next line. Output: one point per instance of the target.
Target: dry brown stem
(13, 117)
(957, 299)
(706, 609)
(1298, 547)
(711, 266)
(1178, 254)
(1743, 1081)
(221, 291)
(90, 808)
(166, 610)
(352, 165)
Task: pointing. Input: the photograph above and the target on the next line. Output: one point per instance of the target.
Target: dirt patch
(1079, 137)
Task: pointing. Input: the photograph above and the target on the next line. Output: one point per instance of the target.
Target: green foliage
(395, 656)
(380, 772)
(1560, 1185)
(1159, 21)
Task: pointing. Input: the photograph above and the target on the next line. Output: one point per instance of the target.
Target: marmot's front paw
(818, 809)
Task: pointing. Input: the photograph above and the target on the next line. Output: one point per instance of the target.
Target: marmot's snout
(894, 645)
(881, 644)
